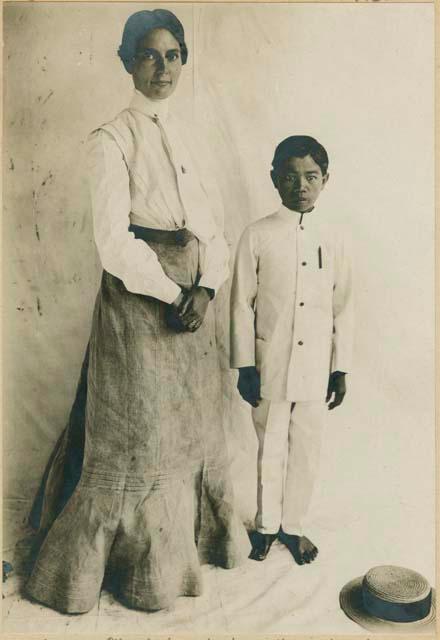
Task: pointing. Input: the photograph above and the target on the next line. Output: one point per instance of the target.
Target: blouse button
(300, 342)
(303, 264)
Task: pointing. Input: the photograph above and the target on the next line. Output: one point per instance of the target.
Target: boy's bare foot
(261, 544)
(302, 549)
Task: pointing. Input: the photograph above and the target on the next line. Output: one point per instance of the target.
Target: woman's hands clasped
(188, 311)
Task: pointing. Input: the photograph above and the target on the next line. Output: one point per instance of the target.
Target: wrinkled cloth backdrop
(359, 78)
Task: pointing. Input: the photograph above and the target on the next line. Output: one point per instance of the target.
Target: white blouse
(152, 193)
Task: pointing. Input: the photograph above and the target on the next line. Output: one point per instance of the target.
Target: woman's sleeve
(215, 255)
(214, 258)
(130, 260)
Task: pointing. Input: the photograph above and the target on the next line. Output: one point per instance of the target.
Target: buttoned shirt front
(292, 303)
(142, 172)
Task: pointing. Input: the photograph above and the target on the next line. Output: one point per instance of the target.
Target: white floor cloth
(361, 518)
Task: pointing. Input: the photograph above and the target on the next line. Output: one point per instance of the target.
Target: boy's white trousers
(289, 441)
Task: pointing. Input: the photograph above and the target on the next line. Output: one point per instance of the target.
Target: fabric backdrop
(357, 77)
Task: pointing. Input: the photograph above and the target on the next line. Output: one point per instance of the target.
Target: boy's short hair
(299, 147)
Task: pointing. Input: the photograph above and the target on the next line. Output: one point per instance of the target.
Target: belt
(179, 237)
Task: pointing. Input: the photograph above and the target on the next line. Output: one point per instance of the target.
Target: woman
(154, 498)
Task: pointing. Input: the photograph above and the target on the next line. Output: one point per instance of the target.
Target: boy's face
(299, 183)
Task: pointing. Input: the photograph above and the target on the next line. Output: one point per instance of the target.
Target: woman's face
(158, 64)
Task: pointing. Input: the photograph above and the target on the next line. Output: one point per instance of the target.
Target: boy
(291, 335)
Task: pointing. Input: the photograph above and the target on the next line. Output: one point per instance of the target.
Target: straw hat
(390, 598)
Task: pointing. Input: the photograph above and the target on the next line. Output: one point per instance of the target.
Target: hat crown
(396, 584)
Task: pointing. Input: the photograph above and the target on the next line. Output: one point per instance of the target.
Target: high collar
(295, 216)
(150, 108)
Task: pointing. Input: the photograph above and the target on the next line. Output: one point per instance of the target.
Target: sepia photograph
(218, 359)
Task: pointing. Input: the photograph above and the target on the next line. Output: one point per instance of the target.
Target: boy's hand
(336, 385)
(249, 385)
(193, 308)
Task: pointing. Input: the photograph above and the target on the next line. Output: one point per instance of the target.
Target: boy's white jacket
(292, 303)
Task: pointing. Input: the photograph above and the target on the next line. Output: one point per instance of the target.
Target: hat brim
(352, 604)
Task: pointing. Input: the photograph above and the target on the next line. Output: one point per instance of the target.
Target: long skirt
(138, 488)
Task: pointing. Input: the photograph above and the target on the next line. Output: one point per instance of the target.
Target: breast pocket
(321, 275)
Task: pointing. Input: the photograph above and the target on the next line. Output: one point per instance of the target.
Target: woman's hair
(299, 147)
(139, 24)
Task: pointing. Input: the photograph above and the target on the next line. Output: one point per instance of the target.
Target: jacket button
(300, 342)
(303, 264)
(302, 228)
(301, 304)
